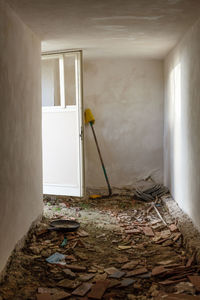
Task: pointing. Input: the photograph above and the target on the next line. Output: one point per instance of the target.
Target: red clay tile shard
(130, 265)
(195, 280)
(136, 272)
(148, 231)
(158, 270)
(44, 296)
(75, 268)
(98, 289)
(82, 290)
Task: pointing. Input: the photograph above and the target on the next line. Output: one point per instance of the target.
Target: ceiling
(141, 28)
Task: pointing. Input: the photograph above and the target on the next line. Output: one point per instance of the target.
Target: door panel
(61, 133)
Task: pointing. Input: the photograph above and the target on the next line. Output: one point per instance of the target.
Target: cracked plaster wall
(20, 131)
(126, 98)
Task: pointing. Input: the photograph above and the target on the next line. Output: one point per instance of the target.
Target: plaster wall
(126, 98)
(182, 126)
(20, 131)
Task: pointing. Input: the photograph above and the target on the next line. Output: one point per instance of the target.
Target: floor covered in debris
(123, 249)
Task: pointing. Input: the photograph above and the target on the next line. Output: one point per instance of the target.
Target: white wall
(20, 131)
(126, 98)
(182, 123)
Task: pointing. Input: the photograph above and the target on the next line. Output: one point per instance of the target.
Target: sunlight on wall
(175, 89)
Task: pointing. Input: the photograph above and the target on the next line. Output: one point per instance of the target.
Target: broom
(89, 118)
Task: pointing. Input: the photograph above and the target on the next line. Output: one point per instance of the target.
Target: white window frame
(63, 106)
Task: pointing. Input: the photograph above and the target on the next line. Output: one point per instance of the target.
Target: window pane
(70, 79)
(50, 82)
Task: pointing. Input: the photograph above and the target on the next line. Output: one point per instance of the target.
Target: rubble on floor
(122, 250)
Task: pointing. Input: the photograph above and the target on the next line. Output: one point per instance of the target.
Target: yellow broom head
(89, 118)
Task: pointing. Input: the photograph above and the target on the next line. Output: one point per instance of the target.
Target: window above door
(59, 81)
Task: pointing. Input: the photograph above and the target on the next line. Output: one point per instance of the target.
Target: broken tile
(83, 289)
(98, 290)
(173, 228)
(86, 277)
(113, 283)
(165, 262)
(126, 282)
(117, 275)
(130, 265)
(148, 231)
(60, 295)
(69, 274)
(136, 272)
(111, 270)
(100, 277)
(195, 280)
(158, 270)
(70, 284)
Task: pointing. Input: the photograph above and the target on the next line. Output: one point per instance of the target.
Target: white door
(62, 124)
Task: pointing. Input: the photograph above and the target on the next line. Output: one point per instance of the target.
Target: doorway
(62, 124)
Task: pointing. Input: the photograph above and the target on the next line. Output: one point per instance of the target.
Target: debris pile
(115, 254)
(150, 194)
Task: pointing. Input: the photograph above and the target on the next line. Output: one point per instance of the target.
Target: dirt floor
(122, 250)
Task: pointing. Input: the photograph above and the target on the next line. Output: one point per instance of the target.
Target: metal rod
(158, 213)
(101, 159)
